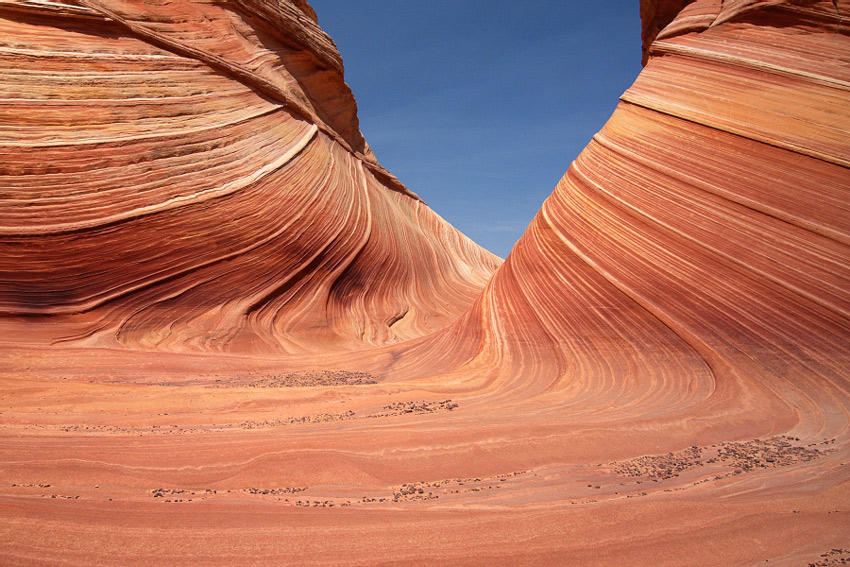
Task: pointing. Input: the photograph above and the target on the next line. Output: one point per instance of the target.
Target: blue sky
(480, 106)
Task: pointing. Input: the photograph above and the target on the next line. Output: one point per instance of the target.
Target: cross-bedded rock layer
(657, 375)
(190, 176)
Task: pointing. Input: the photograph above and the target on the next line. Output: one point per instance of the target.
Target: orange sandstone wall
(695, 258)
(191, 176)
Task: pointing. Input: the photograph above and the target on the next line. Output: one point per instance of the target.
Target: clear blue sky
(479, 106)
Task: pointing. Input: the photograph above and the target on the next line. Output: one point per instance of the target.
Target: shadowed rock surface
(229, 335)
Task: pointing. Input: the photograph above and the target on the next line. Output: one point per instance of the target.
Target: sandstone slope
(191, 176)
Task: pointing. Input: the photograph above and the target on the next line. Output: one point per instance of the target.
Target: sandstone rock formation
(219, 350)
(181, 175)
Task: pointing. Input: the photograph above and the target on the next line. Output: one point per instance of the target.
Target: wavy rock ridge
(201, 183)
(656, 375)
(702, 235)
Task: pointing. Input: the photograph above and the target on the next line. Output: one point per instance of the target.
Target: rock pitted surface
(657, 375)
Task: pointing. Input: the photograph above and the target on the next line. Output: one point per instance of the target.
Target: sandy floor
(143, 466)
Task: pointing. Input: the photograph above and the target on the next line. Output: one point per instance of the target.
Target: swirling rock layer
(657, 375)
(191, 176)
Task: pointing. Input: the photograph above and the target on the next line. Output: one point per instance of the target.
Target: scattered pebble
(303, 379)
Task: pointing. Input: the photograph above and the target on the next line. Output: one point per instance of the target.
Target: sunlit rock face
(244, 342)
(191, 176)
(689, 277)
(697, 249)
